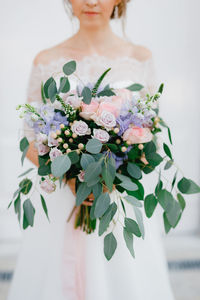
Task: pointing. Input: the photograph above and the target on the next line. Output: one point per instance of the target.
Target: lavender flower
(60, 118)
(47, 112)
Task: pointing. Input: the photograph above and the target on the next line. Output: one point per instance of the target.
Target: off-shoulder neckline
(91, 57)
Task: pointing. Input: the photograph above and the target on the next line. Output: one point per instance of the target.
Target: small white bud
(123, 149)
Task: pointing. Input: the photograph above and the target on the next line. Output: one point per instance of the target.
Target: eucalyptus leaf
(87, 95)
(24, 154)
(86, 160)
(166, 223)
(64, 85)
(134, 201)
(25, 186)
(60, 165)
(139, 219)
(93, 146)
(135, 87)
(150, 203)
(110, 245)
(29, 213)
(167, 151)
(46, 86)
(168, 164)
(17, 206)
(83, 192)
(188, 186)
(44, 206)
(92, 171)
(102, 204)
(26, 172)
(52, 91)
(132, 226)
(173, 213)
(69, 67)
(128, 237)
(108, 174)
(24, 143)
(181, 201)
(134, 170)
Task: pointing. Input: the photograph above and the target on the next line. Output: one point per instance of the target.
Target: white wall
(169, 28)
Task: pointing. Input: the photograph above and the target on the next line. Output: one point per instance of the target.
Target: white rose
(80, 128)
(42, 149)
(74, 101)
(55, 152)
(81, 175)
(48, 186)
(106, 119)
(101, 135)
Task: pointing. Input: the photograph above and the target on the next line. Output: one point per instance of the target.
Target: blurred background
(171, 30)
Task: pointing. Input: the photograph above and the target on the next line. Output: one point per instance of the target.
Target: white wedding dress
(57, 262)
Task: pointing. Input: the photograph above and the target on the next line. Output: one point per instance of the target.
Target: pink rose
(42, 149)
(55, 152)
(125, 94)
(137, 135)
(81, 175)
(52, 141)
(48, 186)
(101, 135)
(89, 109)
(113, 106)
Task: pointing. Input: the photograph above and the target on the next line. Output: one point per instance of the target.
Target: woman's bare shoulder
(47, 55)
(140, 52)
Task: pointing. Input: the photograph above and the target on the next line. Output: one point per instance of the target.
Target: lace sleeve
(33, 94)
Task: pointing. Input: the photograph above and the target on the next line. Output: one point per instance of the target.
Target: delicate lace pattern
(124, 71)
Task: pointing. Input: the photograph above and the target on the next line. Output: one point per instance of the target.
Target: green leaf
(93, 181)
(93, 146)
(158, 187)
(23, 144)
(44, 170)
(165, 199)
(134, 170)
(139, 194)
(166, 223)
(87, 95)
(106, 218)
(83, 192)
(43, 94)
(123, 206)
(150, 203)
(97, 190)
(29, 170)
(139, 219)
(181, 201)
(92, 171)
(106, 92)
(169, 135)
(74, 157)
(168, 164)
(160, 90)
(60, 165)
(167, 151)
(64, 85)
(102, 204)
(188, 186)
(52, 91)
(127, 183)
(134, 201)
(17, 205)
(173, 213)
(46, 86)
(110, 245)
(154, 159)
(25, 185)
(108, 173)
(174, 180)
(44, 206)
(69, 67)
(86, 160)
(135, 87)
(97, 84)
(128, 237)
(132, 226)
(24, 155)
(149, 148)
(29, 212)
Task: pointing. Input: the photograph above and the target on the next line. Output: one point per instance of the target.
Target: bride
(57, 262)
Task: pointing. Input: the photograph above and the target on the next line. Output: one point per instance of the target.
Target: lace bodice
(124, 71)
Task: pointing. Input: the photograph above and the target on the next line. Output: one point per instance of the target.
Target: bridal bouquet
(104, 139)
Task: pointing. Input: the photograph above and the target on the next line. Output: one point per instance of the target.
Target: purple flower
(61, 119)
(46, 112)
(124, 122)
(51, 126)
(39, 126)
